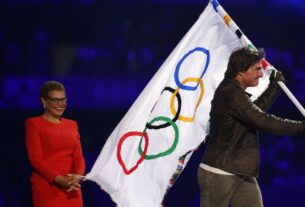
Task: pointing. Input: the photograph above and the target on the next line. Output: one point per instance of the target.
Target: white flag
(151, 145)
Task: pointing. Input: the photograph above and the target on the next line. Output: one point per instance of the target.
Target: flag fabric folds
(153, 142)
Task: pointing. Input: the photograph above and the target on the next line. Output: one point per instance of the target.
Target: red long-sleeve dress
(53, 149)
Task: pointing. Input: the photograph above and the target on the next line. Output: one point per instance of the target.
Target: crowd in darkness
(99, 37)
(91, 38)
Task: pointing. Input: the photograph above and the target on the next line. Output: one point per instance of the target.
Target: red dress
(53, 149)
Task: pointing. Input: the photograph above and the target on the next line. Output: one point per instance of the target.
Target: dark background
(105, 52)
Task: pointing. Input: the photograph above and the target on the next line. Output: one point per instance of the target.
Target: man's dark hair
(241, 59)
(50, 86)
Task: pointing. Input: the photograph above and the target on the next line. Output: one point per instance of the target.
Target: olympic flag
(151, 145)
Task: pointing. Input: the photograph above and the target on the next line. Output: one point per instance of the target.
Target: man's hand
(277, 75)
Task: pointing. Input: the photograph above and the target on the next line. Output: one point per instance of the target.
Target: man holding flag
(227, 174)
(152, 144)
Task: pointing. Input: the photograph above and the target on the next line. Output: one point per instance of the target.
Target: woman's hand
(74, 184)
(69, 181)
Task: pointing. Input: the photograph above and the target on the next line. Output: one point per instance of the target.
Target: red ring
(123, 138)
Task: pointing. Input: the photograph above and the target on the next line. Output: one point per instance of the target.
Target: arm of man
(246, 111)
(266, 99)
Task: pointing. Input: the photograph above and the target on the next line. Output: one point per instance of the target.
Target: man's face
(251, 77)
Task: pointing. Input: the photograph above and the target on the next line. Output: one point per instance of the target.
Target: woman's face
(55, 103)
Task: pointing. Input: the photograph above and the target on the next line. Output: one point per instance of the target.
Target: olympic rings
(168, 121)
(149, 126)
(176, 75)
(123, 138)
(166, 152)
(172, 106)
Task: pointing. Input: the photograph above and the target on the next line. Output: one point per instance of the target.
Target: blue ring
(176, 76)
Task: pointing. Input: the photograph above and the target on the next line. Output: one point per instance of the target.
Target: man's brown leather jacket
(233, 144)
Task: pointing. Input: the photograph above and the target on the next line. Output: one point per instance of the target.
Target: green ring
(171, 149)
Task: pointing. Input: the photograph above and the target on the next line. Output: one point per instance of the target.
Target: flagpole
(292, 97)
(246, 42)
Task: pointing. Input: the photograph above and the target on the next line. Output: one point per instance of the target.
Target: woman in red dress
(54, 150)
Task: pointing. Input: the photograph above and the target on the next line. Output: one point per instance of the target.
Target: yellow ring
(172, 105)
